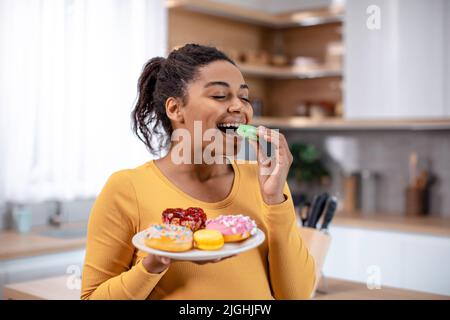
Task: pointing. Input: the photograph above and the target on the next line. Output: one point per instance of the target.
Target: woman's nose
(236, 105)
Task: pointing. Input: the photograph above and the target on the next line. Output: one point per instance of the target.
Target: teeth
(229, 125)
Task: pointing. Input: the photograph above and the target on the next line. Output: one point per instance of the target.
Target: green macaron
(247, 131)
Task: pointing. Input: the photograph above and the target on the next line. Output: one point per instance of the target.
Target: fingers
(203, 262)
(261, 157)
(269, 135)
(156, 264)
(165, 260)
(281, 157)
(279, 141)
(229, 257)
(274, 137)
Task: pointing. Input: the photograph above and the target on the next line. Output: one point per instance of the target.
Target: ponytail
(147, 114)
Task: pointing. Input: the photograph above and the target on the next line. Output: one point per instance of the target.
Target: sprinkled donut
(234, 228)
(168, 237)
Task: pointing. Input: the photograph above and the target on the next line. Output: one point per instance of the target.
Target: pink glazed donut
(234, 228)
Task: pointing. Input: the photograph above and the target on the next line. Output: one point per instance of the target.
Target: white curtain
(68, 78)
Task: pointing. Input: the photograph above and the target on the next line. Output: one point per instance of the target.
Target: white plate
(227, 250)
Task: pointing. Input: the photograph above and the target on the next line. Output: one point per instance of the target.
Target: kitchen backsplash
(387, 154)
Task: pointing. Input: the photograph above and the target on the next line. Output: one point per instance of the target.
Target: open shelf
(286, 72)
(241, 13)
(255, 38)
(302, 123)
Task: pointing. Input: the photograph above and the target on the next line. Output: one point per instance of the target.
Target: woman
(196, 85)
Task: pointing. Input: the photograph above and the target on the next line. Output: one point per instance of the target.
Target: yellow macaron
(205, 239)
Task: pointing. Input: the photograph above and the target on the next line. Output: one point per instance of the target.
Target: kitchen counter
(56, 288)
(348, 290)
(432, 225)
(16, 245)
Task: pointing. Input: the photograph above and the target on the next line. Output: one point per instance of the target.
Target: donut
(168, 237)
(208, 239)
(234, 228)
(193, 218)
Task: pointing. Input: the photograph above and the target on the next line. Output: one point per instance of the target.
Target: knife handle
(317, 209)
(304, 211)
(329, 214)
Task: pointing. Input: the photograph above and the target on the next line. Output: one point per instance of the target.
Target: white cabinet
(400, 70)
(42, 266)
(403, 260)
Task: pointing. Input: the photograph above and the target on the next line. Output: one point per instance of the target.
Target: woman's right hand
(157, 264)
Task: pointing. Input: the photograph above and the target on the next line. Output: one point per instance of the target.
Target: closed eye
(223, 97)
(218, 97)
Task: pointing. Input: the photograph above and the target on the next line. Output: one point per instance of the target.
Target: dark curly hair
(163, 78)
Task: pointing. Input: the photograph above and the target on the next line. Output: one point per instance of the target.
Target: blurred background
(360, 89)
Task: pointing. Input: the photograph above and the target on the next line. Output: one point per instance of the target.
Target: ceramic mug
(22, 218)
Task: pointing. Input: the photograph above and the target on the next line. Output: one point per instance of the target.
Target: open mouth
(228, 128)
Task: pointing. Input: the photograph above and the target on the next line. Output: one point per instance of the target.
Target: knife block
(414, 202)
(318, 244)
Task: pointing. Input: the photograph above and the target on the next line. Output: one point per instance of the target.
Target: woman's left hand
(273, 170)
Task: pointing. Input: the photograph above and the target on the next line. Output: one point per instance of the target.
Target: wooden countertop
(56, 288)
(349, 290)
(432, 225)
(15, 245)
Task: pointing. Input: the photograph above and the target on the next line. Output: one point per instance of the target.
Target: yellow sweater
(280, 268)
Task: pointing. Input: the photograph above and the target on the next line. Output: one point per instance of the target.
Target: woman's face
(218, 99)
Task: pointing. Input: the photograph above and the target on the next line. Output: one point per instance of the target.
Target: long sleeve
(108, 272)
(291, 266)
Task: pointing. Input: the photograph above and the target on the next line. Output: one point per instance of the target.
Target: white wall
(399, 70)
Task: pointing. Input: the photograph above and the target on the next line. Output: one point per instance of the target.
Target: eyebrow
(224, 84)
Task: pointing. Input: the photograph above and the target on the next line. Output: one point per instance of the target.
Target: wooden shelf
(286, 72)
(244, 14)
(302, 123)
(243, 33)
(308, 18)
(437, 226)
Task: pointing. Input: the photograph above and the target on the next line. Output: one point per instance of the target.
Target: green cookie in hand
(247, 131)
